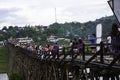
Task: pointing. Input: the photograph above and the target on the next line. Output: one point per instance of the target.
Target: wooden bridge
(31, 66)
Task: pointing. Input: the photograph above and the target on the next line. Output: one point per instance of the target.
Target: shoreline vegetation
(3, 59)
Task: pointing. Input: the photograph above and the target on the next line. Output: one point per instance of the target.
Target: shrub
(15, 76)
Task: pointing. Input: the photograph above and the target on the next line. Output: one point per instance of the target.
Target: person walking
(56, 50)
(92, 40)
(80, 47)
(115, 40)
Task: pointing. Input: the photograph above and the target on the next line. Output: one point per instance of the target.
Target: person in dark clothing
(74, 47)
(71, 47)
(115, 42)
(115, 39)
(75, 43)
(56, 50)
(80, 46)
(63, 49)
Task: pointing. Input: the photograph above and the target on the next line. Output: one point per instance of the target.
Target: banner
(98, 34)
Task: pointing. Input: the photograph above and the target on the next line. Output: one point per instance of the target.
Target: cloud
(4, 13)
(22, 12)
(10, 16)
(86, 12)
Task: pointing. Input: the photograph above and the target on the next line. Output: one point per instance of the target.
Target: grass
(3, 59)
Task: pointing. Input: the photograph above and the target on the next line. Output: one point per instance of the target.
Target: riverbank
(3, 59)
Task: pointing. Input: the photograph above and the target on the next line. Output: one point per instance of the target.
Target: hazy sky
(42, 12)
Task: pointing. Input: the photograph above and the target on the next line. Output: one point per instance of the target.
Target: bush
(15, 76)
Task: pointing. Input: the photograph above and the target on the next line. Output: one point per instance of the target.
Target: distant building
(24, 40)
(55, 39)
(52, 38)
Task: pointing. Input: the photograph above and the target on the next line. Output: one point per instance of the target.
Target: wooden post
(101, 52)
(83, 52)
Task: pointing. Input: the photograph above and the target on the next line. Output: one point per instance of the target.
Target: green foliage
(1, 37)
(3, 59)
(66, 30)
(15, 76)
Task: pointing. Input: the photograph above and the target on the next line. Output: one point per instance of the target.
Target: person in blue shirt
(56, 50)
(92, 40)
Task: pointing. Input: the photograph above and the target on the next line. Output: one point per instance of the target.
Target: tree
(4, 28)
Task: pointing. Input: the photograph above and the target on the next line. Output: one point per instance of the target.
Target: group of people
(55, 49)
(46, 50)
(112, 41)
(76, 46)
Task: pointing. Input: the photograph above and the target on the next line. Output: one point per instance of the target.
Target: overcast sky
(42, 12)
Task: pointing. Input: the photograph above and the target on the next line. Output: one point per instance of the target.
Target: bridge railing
(87, 59)
(66, 53)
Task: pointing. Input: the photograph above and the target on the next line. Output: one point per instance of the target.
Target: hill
(69, 30)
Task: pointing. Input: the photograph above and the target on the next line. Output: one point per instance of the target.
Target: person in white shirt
(109, 39)
(109, 49)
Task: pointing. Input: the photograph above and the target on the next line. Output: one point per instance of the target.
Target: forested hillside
(66, 30)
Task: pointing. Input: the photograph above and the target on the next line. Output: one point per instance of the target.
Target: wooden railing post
(101, 52)
(83, 55)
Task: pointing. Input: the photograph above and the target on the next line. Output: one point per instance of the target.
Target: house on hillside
(25, 40)
(52, 38)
